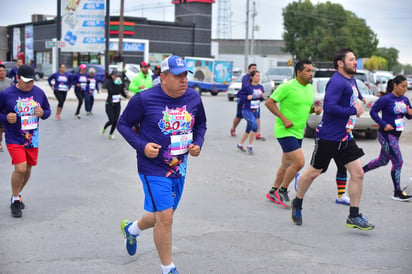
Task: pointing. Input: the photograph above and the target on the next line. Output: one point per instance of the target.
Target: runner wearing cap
(172, 126)
(142, 80)
(23, 105)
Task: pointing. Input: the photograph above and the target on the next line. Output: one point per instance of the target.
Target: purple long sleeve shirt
(26, 129)
(173, 123)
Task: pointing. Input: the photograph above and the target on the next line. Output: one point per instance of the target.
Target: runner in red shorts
(24, 105)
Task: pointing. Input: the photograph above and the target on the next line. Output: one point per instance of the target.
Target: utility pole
(120, 49)
(107, 37)
(247, 36)
(253, 30)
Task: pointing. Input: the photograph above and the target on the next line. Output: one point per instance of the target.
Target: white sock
(166, 268)
(249, 145)
(15, 199)
(134, 229)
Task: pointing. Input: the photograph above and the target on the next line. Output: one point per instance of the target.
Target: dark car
(9, 66)
(100, 71)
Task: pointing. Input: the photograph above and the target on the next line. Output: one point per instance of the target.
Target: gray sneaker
(249, 150)
(283, 198)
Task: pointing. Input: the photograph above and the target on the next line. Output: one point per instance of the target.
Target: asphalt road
(85, 184)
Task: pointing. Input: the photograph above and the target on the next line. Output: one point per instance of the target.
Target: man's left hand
(194, 150)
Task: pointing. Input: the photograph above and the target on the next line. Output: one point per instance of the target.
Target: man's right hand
(151, 150)
(12, 117)
(359, 109)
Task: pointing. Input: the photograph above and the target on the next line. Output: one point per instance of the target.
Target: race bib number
(115, 98)
(400, 124)
(254, 104)
(29, 122)
(62, 87)
(180, 143)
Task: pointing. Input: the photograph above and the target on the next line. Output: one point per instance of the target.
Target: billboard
(83, 25)
(28, 42)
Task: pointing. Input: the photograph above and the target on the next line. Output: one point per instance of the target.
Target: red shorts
(20, 154)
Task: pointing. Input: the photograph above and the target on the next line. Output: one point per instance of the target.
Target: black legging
(113, 113)
(61, 97)
(80, 97)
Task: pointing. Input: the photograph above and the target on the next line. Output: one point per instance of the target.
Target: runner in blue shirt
(394, 106)
(60, 83)
(334, 139)
(22, 104)
(172, 125)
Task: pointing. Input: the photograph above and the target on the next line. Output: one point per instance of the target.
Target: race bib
(254, 104)
(180, 143)
(29, 122)
(62, 87)
(400, 124)
(115, 98)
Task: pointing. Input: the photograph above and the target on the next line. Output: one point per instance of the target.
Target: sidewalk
(42, 83)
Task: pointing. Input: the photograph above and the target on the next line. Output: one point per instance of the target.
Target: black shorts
(341, 152)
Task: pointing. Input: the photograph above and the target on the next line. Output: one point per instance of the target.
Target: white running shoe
(344, 200)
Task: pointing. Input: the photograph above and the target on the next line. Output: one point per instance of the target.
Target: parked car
(100, 72)
(280, 74)
(382, 83)
(364, 123)
(368, 79)
(11, 64)
(409, 80)
(235, 86)
(130, 72)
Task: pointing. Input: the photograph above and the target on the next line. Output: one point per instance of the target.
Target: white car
(235, 86)
(364, 123)
(131, 71)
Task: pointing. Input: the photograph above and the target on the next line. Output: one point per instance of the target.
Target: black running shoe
(399, 195)
(296, 214)
(16, 209)
(359, 222)
(22, 205)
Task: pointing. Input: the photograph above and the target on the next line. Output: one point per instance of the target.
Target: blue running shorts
(161, 193)
(290, 144)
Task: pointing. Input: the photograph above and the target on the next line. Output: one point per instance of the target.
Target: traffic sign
(51, 44)
(61, 44)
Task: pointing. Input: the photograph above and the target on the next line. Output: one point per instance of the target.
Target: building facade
(189, 35)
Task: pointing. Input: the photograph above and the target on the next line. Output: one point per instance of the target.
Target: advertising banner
(28, 41)
(83, 25)
(16, 42)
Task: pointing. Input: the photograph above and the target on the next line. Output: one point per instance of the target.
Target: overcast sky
(390, 20)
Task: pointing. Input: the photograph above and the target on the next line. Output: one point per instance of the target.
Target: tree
(376, 63)
(317, 31)
(390, 54)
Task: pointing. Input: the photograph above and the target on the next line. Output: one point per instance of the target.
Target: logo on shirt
(400, 107)
(176, 121)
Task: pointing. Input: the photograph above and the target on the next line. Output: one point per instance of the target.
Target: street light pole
(107, 37)
(247, 36)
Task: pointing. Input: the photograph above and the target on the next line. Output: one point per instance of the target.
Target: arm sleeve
(51, 77)
(199, 128)
(376, 108)
(332, 98)
(131, 116)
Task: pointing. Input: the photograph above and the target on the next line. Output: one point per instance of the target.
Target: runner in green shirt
(295, 99)
(142, 80)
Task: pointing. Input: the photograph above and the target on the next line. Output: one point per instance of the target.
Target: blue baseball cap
(174, 64)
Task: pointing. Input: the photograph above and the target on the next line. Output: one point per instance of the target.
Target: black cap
(26, 73)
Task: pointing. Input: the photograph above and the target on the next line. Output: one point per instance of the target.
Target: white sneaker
(111, 137)
(344, 200)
